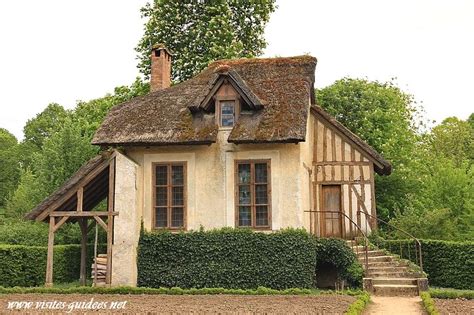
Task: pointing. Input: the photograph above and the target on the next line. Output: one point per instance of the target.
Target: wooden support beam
(110, 221)
(101, 222)
(83, 226)
(82, 214)
(61, 222)
(71, 193)
(80, 199)
(49, 259)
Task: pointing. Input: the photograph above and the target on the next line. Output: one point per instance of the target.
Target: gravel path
(395, 305)
(155, 304)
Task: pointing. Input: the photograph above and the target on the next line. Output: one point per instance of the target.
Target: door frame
(322, 215)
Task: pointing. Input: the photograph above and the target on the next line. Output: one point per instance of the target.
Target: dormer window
(227, 113)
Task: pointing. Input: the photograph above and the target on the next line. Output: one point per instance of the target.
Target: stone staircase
(387, 275)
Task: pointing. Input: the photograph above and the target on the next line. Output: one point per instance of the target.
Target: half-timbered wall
(337, 161)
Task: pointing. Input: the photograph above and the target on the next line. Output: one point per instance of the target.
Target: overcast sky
(64, 51)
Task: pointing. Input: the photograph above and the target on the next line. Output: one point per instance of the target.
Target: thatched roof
(281, 87)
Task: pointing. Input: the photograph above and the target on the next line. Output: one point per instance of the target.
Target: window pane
(261, 196)
(261, 172)
(245, 216)
(261, 216)
(227, 114)
(161, 217)
(161, 196)
(161, 174)
(244, 195)
(178, 196)
(177, 217)
(227, 120)
(244, 173)
(177, 175)
(227, 108)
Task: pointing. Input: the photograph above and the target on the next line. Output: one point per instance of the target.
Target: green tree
(9, 164)
(203, 31)
(385, 117)
(38, 129)
(26, 196)
(453, 139)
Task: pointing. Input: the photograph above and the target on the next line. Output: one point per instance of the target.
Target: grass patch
(359, 305)
(428, 304)
(441, 293)
(171, 291)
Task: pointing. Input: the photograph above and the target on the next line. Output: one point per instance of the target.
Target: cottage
(241, 144)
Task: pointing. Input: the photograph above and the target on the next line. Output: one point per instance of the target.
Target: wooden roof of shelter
(93, 176)
(279, 89)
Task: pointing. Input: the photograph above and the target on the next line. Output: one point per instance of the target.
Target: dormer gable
(225, 76)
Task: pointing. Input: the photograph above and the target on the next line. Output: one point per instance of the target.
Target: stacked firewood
(101, 261)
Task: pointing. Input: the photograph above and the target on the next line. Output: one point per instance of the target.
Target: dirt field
(454, 306)
(222, 304)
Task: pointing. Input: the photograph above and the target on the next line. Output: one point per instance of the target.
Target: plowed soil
(454, 306)
(197, 304)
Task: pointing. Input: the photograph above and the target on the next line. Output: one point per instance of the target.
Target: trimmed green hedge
(429, 304)
(448, 264)
(452, 294)
(236, 259)
(22, 265)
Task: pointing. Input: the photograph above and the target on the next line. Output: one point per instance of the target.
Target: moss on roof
(285, 86)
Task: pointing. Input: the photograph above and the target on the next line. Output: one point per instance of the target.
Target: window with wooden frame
(228, 110)
(253, 194)
(169, 195)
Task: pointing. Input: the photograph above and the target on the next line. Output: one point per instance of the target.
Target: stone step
(388, 269)
(370, 253)
(393, 274)
(376, 258)
(386, 263)
(395, 290)
(395, 281)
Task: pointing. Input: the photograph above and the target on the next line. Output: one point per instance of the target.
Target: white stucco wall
(127, 223)
(210, 181)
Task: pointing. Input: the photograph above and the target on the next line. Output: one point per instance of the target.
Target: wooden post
(80, 199)
(49, 260)
(110, 221)
(83, 226)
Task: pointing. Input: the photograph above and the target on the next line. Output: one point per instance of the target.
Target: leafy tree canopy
(44, 124)
(9, 166)
(203, 31)
(383, 116)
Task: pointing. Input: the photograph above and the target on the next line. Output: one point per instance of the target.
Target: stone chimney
(160, 67)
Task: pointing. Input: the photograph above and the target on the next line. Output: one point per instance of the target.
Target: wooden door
(331, 222)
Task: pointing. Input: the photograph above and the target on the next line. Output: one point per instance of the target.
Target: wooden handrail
(418, 252)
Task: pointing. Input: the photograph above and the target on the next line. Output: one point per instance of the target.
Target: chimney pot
(160, 67)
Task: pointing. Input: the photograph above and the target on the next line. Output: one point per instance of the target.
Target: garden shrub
(336, 252)
(239, 258)
(227, 258)
(26, 265)
(448, 264)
